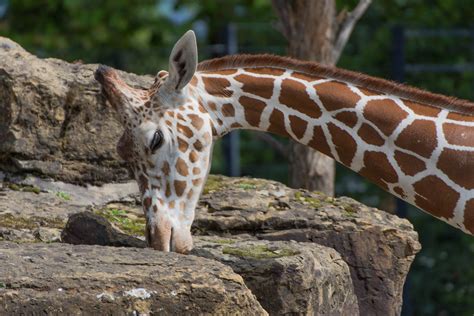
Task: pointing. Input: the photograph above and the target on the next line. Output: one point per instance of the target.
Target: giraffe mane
(355, 78)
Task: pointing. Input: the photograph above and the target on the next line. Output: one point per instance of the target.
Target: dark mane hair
(358, 79)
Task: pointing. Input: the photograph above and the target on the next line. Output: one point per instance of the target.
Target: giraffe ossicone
(416, 145)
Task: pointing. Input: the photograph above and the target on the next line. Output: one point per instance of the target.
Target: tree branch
(279, 147)
(347, 26)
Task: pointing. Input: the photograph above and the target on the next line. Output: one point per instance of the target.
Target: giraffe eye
(157, 140)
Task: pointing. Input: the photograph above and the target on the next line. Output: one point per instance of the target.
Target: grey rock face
(288, 278)
(378, 247)
(94, 280)
(54, 119)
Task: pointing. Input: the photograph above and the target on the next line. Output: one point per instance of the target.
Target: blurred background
(425, 43)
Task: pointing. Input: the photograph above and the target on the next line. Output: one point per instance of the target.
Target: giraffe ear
(183, 61)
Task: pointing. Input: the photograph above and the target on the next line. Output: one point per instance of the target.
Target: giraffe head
(167, 143)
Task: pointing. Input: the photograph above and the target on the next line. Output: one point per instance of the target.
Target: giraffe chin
(164, 237)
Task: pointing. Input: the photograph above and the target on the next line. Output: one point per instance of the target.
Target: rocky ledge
(297, 251)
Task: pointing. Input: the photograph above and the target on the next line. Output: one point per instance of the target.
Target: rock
(55, 121)
(86, 228)
(46, 234)
(95, 280)
(378, 247)
(288, 278)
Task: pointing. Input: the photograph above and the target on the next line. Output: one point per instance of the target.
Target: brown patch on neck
(458, 166)
(418, 137)
(336, 96)
(344, 142)
(263, 87)
(409, 164)
(435, 197)
(313, 69)
(293, 94)
(253, 110)
(385, 114)
(378, 169)
(469, 216)
(217, 86)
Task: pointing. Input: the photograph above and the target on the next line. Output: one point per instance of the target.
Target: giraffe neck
(419, 153)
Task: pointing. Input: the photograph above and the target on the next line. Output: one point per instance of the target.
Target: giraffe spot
(165, 168)
(344, 142)
(409, 164)
(193, 156)
(305, 77)
(171, 204)
(378, 169)
(197, 182)
(336, 95)
(458, 166)
(277, 123)
(399, 191)
(435, 197)
(155, 209)
(198, 145)
(168, 123)
(180, 117)
(348, 118)
(217, 86)
(370, 135)
(293, 94)
(266, 71)
(419, 137)
(147, 105)
(460, 117)
(233, 125)
(263, 87)
(298, 126)
(196, 121)
(196, 171)
(194, 81)
(182, 167)
(185, 130)
(459, 135)
(219, 121)
(214, 131)
(319, 141)
(385, 114)
(421, 109)
(150, 164)
(228, 110)
(252, 109)
(190, 194)
(469, 216)
(182, 145)
(201, 109)
(124, 147)
(212, 106)
(147, 203)
(179, 187)
(168, 190)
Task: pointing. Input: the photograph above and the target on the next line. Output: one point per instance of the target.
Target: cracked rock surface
(96, 280)
(54, 119)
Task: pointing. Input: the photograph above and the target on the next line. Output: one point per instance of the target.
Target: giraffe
(414, 144)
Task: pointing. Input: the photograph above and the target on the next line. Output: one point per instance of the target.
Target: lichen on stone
(124, 220)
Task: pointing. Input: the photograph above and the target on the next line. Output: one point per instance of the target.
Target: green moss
(213, 183)
(259, 252)
(15, 222)
(246, 186)
(349, 209)
(121, 218)
(24, 188)
(32, 189)
(63, 195)
(314, 202)
(223, 241)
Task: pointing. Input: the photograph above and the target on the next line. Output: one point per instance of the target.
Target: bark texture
(316, 32)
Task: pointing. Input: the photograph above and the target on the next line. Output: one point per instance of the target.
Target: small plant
(63, 195)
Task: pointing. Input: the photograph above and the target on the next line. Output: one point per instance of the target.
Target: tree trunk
(314, 32)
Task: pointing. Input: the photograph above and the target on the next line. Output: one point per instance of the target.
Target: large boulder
(54, 120)
(95, 280)
(378, 247)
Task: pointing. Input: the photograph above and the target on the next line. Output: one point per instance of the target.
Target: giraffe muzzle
(164, 237)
